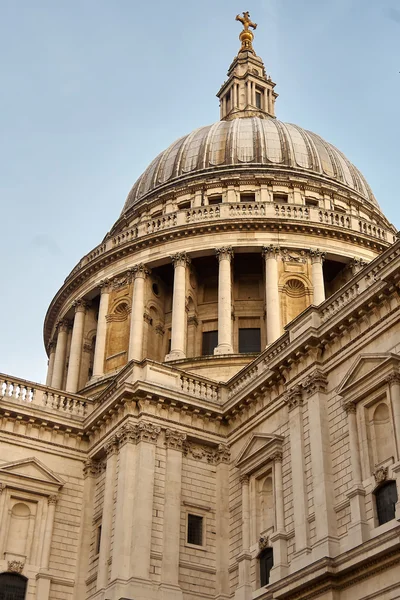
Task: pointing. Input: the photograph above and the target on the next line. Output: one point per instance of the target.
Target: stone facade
(221, 417)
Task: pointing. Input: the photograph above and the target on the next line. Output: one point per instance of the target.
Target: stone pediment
(30, 473)
(258, 450)
(368, 367)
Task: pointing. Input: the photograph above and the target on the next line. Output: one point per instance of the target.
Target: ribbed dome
(246, 143)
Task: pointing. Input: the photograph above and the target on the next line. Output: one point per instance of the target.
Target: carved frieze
(123, 280)
(15, 566)
(212, 455)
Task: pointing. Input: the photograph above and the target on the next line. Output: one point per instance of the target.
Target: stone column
(139, 273)
(174, 441)
(125, 502)
(222, 522)
(394, 387)
(224, 256)
(279, 537)
(317, 258)
(272, 300)
(111, 449)
(327, 541)
(294, 401)
(75, 352)
(143, 504)
(91, 470)
(356, 265)
(60, 355)
(100, 347)
(50, 368)
(235, 99)
(358, 529)
(43, 579)
(244, 588)
(180, 262)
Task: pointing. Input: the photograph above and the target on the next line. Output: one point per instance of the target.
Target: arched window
(12, 586)
(266, 562)
(386, 498)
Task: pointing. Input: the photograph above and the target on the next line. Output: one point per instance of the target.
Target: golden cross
(246, 22)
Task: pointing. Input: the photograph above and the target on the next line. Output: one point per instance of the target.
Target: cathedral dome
(251, 143)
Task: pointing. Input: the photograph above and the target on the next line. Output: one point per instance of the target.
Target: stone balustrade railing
(199, 388)
(235, 210)
(29, 393)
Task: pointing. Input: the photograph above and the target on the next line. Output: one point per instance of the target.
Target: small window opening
(249, 340)
(386, 499)
(156, 290)
(247, 197)
(258, 99)
(210, 341)
(184, 205)
(281, 197)
(195, 530)
(98, 539)
(228, 102)
(266, 562)
(214, 200)
(12, 586)
(312, 202)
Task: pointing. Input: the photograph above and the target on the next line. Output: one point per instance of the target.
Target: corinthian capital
(80, 305)
(224, 253)
(315, 382)
(294, 397)
(175, 439)
(317, 256)
(62, 325)
(140, 271)
(180, 259)
(148, 432)
(270, 251)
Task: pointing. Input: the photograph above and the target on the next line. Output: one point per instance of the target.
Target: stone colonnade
(181, 262)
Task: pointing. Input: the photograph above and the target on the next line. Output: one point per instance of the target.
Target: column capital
(90, 468)
(224, 253)
(180, 259)
(2, 487)
(105, 286)
(127, 434)
(349, 407)
(62, 325)
(277, 456)
(244, 479)
(175, 439)
(80, 305)
(222, 454)
(294, 397)
(140, 271)
(315, 382)
(270, 251)
(52, 346)
(147, 432)
(53, 499)
(356, 264)
(111, 446)
(393, 378)
(317, 256)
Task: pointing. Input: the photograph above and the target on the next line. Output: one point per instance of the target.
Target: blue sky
(92, 90)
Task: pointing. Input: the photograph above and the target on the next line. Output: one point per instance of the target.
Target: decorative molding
(180, 259)
(175, 440)
(293, 397)
(2, 487)
(263, 543)
(120, 281)
(381, 474)
(212, 455)
(105, 286)
(63, 325)
(277, 456)
(315, 382)
(224, 253)
(293, 256)
(15, 566)
(223, 454)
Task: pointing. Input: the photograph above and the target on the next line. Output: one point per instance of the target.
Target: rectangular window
(312, 202)
(281, 197)
(210, 341)
(98, 539)
(249, 340)
(258, 100)
(214, 200)
(247, 197)
(184, 205)
(195, 530)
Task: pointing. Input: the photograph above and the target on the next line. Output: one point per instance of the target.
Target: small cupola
(248, 91)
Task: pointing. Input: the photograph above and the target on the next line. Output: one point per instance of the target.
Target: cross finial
(246, 36)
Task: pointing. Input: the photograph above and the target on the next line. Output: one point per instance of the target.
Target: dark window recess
(247, 197)
(195, 530)
(98, 539)
(266, 561)
(210, 341)
(249, 340)
(386, 498)
(281, 198)
(258, 99)
(312, 202)
(169, 346)
(184, 205)
(12, 586)
(214, 200)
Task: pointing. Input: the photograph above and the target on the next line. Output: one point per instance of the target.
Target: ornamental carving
(381, 474)
(62, 325)
(2, 487)
(90, 468)
(15, 566)
(213, 456)
(160, 329)
(180, 259)
(175, 439)
(121, 281)
(140, 271)
(53, 499)
(270, 251)
(294, 397)
(263, 543)
(317, 256)
(393, 378)
(316, 382)
(277, 456)
(350, 407)
(147, 318)
(223, 454)
(80, 305)
(147, 432)
(295, 257)
(111, 447)
(127, 434)
(193, 320)
(244, 479)
(104, 286)
(224, 253)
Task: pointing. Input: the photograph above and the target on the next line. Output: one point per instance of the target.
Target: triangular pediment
(258, 450)
(30, 469)
(365, 367)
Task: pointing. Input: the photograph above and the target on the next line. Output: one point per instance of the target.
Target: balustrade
(199, 388)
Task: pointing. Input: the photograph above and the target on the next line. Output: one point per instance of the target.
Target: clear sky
(92, 90)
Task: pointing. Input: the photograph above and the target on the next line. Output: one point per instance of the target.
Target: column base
(175, 355)
(43, 580)
(223, 349)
